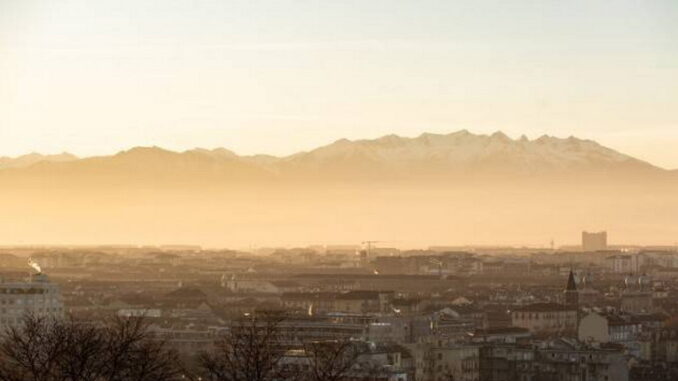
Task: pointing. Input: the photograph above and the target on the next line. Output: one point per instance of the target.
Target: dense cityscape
(589, 312)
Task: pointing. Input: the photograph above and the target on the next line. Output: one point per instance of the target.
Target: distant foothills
(459, 188)
(434, 156)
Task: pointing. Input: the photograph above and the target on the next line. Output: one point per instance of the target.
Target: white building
(140, 312)
(37, 297)
(625, 263)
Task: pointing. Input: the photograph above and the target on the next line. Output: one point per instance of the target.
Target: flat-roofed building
(546, 318)
(594, 241)
(37, 297)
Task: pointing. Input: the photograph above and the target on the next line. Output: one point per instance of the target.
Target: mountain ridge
(459, 153)
(33, 158)
(457, 187)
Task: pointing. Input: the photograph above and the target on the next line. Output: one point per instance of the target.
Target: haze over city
(353, 190)
(458, 188)
(321, 121)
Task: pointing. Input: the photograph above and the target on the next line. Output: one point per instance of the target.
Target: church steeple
(571, 284)
(571, 293)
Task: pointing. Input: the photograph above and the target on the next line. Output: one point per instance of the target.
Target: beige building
(353, 302)
(637, 301)
(546, 318)
(459, 362)
(594, 241)
(593, 327)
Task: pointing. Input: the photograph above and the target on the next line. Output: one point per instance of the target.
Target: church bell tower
(571, 293)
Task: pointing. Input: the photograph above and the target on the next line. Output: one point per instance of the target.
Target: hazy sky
(277, 76)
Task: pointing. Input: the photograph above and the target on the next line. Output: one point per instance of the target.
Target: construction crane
(366, 254)
(369, 247)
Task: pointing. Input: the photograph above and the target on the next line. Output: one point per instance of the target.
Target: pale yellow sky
(281, 76)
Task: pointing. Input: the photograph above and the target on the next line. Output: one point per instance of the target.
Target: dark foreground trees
(250, 351)
(257, 349)
(331, 360)
(68, 350)
(254, 349)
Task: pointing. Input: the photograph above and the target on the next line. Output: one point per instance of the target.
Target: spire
(571, 293)
(571, 284)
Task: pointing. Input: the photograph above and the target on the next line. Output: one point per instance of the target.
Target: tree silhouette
(255, 349)
(44, 349)
(250, 351)
(331, 360)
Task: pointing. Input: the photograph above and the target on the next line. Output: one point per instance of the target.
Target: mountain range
(458, 188)
(33, 158)
(433, 156)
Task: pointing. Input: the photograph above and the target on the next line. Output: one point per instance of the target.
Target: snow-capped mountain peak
(463, 150)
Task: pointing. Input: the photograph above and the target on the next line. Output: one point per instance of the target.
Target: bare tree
(256, 349)
(68, 350)
(331, 360)
(133, 355)
(32, 352)
(82, 357)
(250, 351)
